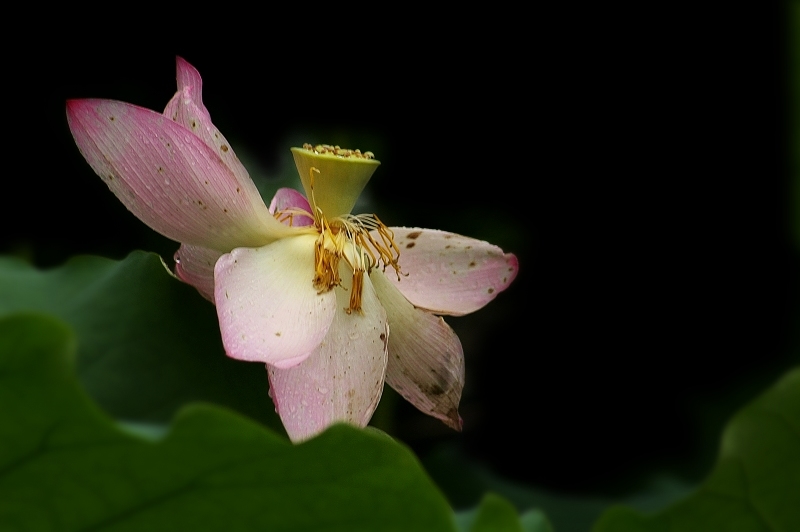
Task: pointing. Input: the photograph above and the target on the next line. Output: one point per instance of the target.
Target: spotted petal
(268, 308)
(186, 108)
(426, 360)
(194, 265)
(448, 273)
(169, 178)
(343, 378)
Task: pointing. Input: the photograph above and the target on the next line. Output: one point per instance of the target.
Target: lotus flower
(334, 304)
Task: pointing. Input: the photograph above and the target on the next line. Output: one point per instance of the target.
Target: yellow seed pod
(342, 175)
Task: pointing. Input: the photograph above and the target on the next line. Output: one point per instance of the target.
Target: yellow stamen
(355, 294)
(326, 264)
(343, 230)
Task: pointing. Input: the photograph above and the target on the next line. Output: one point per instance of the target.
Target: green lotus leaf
(65, 466)
(755, 484)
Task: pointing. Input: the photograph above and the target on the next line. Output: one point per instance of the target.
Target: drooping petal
(342, 380)
(448, 273)
(426, 360)
(268, 308)
(169, 178)
(186, 108)
(195, 266)
(294, 206)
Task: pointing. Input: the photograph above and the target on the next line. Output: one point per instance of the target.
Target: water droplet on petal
(353, 335)
(323, 391)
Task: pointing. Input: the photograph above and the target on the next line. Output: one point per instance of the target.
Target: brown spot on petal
(490, 291)
(440, 385)
(434, 389)
(414, 235)
(277, 334)
(224, 148)
(472, 264)
(410, 245)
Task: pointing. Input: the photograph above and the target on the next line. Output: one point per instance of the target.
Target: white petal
(448, 273)
(268, 308)
(426, 361)
(342, 380)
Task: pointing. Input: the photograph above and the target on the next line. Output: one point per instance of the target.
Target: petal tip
(453, 420)
(513, 267)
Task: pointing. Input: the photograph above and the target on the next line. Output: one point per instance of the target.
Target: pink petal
(169, 178)
(268, 308)
(426, 361)
(291, 202)
(195, 266)
(187, 109)
(448, 273)
(342, 380)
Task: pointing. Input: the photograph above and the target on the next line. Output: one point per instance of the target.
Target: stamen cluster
(327, 149)
(345, 237)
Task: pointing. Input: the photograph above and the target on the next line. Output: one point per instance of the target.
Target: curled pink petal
(426, 360)
(293, 207)
(169, 178)
(448, 273)
(342, 380)
(187, 109)
(268, 308)
(194, 265)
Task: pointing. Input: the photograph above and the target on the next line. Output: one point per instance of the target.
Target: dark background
(636, 162)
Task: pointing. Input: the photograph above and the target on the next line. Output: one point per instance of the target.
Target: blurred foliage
(147, 343)
(65, 466)
(465, 481)
(495, 514)
(755, 484)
